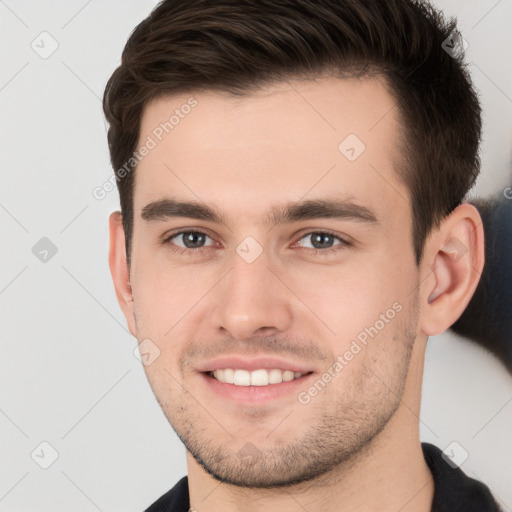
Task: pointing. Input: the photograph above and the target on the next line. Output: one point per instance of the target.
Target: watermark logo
(456, 249)
(249, 454)
(249, 249)
(455, 45)
(44, 250)
(45, 45)
(455, 454)
(351, 147)
(44, 455)
(147, 352)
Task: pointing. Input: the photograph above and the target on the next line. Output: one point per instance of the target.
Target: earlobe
(119, 270)
(456, 263)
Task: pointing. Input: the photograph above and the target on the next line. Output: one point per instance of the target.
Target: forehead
(283, 143)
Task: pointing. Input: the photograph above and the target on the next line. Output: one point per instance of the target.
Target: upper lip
(252, 363)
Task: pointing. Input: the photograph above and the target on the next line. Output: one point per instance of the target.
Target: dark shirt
(453, 490)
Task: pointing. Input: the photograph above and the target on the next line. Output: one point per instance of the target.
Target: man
(292, 178)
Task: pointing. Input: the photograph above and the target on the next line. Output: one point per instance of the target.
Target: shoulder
(453, 489)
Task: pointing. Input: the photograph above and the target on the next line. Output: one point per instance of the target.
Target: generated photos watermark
(157, 135)
(357, 345)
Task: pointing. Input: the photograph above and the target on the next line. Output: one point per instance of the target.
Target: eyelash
(324, 252)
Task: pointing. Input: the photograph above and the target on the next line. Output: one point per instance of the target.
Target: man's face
(260, 291)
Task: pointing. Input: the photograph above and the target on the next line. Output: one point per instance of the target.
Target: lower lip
(256, 394)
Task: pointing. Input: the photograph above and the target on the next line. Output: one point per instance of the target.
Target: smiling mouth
(260, 377)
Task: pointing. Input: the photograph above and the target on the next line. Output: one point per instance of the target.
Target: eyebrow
(323, 208)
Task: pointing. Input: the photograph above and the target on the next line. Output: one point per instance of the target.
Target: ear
(119, 270)
(454, 260)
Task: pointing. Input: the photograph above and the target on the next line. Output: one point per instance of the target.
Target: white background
(68, 374)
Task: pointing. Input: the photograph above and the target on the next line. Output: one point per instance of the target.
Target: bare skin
(354, 444)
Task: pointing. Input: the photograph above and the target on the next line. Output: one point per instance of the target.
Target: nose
(251, 300)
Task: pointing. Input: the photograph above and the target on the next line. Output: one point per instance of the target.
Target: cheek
(165, 293)
(352, 299)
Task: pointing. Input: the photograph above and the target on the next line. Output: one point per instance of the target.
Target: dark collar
(453, 489)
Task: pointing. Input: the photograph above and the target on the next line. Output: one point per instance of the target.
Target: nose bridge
(250, 297)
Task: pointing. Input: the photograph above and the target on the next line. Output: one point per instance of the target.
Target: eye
(323, 242)
(191, 241)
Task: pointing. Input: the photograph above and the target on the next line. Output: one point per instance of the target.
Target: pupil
(192, 240)
(318, 237)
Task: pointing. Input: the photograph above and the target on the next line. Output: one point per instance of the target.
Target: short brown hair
(237, 46)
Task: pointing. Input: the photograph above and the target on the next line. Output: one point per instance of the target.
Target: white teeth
(229, 375)
(259, 378)
(255, 378)
(275, 376)
(288, 375)
(242, 378)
